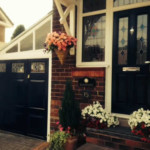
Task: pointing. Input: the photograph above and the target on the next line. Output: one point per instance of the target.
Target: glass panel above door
(142, 28)
(93, 5)
(127, 2)
(123, 41)
(93, 38)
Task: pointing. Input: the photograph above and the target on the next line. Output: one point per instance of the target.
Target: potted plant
(60, 43)
(94, 116)
(70, 114)
(139, 123)
(58, 140)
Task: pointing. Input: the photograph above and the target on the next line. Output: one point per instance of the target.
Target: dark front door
(23, 100)
(131, 61)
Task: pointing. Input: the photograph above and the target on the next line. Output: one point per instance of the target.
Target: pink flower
(57, 122)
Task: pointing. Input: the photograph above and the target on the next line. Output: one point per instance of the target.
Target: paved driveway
(11, 141)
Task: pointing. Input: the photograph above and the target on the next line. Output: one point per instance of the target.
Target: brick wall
(69, 71)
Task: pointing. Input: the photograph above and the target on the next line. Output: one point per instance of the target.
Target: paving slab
(12, 141)
(89, 146)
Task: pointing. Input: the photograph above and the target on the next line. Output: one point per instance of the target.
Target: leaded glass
(127, 2)
(18, 67)
(123, 40)
(37, 67)
(93, 5)
(141, 38)
(93, 38)
(2, 67)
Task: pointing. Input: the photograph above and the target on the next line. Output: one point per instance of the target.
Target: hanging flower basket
(60, 43)
(61, 55)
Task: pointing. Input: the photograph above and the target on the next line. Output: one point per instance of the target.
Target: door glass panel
(18, 67)
(123, 41)
(93, 5)
(142, 21)
(127, 2)
(37, 67)
(93, 38)
(2, 67)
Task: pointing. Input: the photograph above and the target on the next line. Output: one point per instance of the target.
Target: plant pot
(61, 55)
(71, 143)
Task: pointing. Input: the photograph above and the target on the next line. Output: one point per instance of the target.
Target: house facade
(113, 49)
(5, 22)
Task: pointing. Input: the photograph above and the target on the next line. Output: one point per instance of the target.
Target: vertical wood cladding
(62, 72)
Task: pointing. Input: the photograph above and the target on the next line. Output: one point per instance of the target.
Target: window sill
(92, 65)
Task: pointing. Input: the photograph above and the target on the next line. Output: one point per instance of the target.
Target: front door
(131, 61)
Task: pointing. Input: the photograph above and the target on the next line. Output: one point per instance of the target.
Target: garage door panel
(36, 122)
(37, 91)
(23, 97)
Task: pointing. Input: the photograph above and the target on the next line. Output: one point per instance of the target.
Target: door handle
(28, 76)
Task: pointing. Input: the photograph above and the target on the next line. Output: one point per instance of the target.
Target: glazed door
(131, 61)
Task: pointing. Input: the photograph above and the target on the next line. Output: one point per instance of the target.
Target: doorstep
(119, 138)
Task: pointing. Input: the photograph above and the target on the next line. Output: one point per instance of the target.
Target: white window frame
(107, 64)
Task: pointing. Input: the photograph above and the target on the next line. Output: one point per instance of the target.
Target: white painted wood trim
(49, 91)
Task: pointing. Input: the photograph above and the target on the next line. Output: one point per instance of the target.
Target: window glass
(93, 47)
(18, 67)
(2, 67)
(142, 28)
(93, 5)
(40, 35)
(27, 43)
(127, 2)
(37, 67)
(123, 41)
(13, 49)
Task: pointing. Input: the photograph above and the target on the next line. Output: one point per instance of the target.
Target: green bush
(69, 113)
(58, 140)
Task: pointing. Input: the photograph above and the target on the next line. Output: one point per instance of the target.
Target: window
(93, 38)
(27, 43)
(13, 49)
(91, 32)
(41, 34)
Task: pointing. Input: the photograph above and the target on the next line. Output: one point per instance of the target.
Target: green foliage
(70, 113)
(19, 29)
(58, 140)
